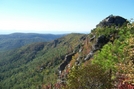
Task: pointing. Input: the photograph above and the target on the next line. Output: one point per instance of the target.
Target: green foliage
(112, 53)
(112, 58)
(105, 31)
(16, 40)
(31, 66)
(105, 57)
(90, 76)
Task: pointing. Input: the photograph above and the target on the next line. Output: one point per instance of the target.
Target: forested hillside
(102, 59)
(31, 66)
(110, 62)
(16, 40)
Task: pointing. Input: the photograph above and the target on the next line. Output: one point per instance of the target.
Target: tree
(90, 76)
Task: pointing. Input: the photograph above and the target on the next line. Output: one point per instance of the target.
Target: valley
(98, 60)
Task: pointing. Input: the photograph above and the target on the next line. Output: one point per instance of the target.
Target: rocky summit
(112, 20)
(102, 59)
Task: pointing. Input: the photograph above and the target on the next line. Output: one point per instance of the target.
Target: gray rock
(112, 20)
(89, 56)
(66, 61)
(102, 40)
(91, 39)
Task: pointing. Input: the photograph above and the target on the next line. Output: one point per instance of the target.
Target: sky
(59, 16)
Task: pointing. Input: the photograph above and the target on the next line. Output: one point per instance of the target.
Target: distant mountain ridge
(27, 62)
(74, 61)
(16, 40)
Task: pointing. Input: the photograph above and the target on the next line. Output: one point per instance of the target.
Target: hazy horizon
(56, 32)
(58, 16)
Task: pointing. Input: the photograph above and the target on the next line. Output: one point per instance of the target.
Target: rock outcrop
(66, 61)
(101, 41)
(112, 20)
(88, 46)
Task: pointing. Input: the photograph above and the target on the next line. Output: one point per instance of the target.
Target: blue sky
(59, 16)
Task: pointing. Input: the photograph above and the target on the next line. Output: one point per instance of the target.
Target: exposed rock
(77, 48)
(91, 39)
(66, 61)
(102, 40)
(89, 56)
(112, 20)
(55, 43)
(77, 61)
(96, 44)
(80, 50)
(83, 37)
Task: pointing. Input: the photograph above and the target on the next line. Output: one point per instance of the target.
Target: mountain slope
(108, 65)
(32, 65)
(16, 40)
(98, 60)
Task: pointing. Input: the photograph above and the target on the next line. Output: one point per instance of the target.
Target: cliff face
(90, 45)
(86, 48)
(109, 37)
